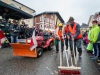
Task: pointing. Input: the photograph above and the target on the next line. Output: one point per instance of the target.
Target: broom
(69, 69)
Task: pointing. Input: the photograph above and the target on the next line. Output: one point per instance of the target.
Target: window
(49, 27)
(52, 16)
(40, 18)
(41, 26)
(46, 26)
(52, 27)
(47, 19)
(50, 21)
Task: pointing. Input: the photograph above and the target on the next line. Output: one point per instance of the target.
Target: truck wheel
(39, 52)
(51, 46)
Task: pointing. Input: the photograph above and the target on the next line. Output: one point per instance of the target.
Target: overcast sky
(79, 9)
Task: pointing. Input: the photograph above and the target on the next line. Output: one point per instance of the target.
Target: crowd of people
(14, 31)
(91, 40)
(74, 35)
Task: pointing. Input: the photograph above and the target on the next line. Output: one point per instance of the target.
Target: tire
(39, 52)
(51, 46)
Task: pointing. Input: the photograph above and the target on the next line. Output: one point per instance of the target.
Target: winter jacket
(94, 34)
(27, 32)
(86, 39)
(22, 30)
(14, 27)
(4, 27)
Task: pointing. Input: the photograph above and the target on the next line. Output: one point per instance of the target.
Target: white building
(94, 17)
(90, 20)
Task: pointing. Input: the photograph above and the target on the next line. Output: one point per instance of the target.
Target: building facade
(90, 20)
(96, 16)
(48, 20)
(24, 8)
(84, 27)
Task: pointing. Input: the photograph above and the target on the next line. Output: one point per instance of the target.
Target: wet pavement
(45, 65)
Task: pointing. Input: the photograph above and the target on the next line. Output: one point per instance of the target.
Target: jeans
(99, 50)
(77, 44)
(95, 46)
(14, 39)
(66, 42)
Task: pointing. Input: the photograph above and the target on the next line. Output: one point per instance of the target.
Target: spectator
(94, 38)
(9, 23)
(86, 32)
(37, 30)
(41, 32)
(32, 29)
(27, 32)
(2, 25)
(5, 14)
(22, 31)
(85, 37)
(14, 31)
(5, 28)
(59, 36)
(98, 43)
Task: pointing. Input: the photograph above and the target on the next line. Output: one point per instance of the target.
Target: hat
(71, 19)
(60, 24)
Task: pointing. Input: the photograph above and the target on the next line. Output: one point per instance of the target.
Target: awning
(14, 12)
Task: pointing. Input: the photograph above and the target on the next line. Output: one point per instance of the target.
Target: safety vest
(60, 34)
(72, 30)
(66, 29)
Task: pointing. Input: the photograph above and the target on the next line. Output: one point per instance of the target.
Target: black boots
(80, 51)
